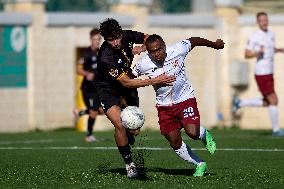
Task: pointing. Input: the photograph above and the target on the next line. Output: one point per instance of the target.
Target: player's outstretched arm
(277, 50)
(136, 83)
(80, 71)
(252, 54)
(198, 41)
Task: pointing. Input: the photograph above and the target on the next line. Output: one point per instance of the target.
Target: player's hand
(219, 44)
(280, 50)
(260, 53)
(90, 76)
(138, 49)
(164, 79)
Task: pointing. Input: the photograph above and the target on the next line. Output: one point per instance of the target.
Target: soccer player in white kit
(176, 103)
(261, 45)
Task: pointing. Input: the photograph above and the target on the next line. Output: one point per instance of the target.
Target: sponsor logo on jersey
(188, 112)
(113, 72)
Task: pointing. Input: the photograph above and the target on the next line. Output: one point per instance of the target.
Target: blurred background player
(176, 103)
(114, 82)
(261, 45)
(87, 67)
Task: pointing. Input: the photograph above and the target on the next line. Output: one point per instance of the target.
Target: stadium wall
(49, 97)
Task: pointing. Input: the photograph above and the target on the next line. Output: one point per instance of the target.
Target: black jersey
(89, 63)
(114, 63)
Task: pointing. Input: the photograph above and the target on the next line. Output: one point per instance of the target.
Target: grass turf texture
(61, 159)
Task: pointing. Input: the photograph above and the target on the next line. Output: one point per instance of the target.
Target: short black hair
(110, 28)
(94, 31)
(261, 14)
(152, 38)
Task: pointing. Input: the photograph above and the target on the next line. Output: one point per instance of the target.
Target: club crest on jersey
(154, 69)
(113, 72)
(175, 63)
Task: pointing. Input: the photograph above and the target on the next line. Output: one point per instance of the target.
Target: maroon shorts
(176, 116)
(265, 84)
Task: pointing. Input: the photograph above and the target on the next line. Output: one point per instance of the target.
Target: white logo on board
(18, 39)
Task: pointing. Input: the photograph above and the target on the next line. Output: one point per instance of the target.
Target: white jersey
(264, 65)
(181, 89)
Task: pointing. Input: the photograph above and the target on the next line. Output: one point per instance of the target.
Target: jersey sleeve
(251, 44)
(136, 70)
(183, 47)
(135, 36)
(110, 67)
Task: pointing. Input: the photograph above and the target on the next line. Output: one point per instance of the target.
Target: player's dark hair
(94, 31)
(260, 14)
(152, 38)
(110, 28)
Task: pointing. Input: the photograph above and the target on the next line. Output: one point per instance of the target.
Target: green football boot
(200, 169)
(209, 143)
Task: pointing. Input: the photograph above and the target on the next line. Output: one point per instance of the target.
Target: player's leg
(272, 100)
(170, 128)
(184, 152)
(89, 101)
(95, 109)
(190, 119)
(111, 107)
(266, 87)
(78, 113)
(121, 140)
(199, 132)
(92, 106)
(130, 98)
(263, 83)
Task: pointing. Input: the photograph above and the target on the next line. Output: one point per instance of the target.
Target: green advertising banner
(13, 56)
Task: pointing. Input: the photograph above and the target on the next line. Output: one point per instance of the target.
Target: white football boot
(131, 170)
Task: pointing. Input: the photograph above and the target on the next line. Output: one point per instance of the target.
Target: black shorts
(91, 99)
(110, 97)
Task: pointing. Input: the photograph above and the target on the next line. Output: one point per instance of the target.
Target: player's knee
(193, 134)
(93, 114)
(175, 145)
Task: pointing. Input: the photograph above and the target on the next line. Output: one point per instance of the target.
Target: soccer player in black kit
(87, 67)
(115, 84)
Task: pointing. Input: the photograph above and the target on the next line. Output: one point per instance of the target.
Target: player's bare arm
(198, 41)
(137, 50)
(253, 54)
(279, 50)
(80, 71)
(136, 83)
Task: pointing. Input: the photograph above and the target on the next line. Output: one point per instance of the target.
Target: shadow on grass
(143, 172)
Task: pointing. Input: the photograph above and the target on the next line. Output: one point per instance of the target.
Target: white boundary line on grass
(139, 148)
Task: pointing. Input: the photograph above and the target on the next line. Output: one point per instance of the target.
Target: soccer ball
(132, 117)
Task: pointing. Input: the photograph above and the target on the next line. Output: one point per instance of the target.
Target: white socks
(251, 102)
(272, 109)
(186, 154)
(202, 134)
(273, 114)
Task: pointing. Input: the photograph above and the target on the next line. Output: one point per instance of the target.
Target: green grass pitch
(61, 159)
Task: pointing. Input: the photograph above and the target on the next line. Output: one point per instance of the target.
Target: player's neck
(95, 49)
(264, 30)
